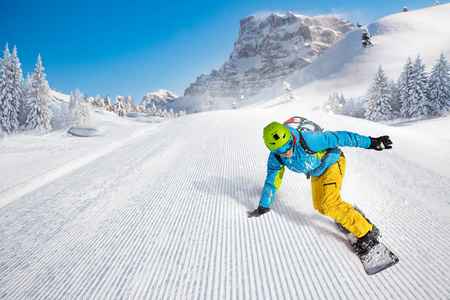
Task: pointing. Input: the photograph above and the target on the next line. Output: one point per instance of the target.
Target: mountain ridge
(267, 51)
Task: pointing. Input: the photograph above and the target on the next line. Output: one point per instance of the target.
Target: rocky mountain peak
(268, 50)
(159, 98)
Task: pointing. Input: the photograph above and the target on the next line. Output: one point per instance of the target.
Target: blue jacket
(302, 162)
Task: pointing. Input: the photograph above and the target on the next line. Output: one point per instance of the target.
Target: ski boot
(366, 243)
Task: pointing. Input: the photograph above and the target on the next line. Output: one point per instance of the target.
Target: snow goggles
(286, 148)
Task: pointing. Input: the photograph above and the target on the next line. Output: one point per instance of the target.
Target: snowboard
(379, 257)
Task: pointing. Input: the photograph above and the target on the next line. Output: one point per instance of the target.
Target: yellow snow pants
(327, 200)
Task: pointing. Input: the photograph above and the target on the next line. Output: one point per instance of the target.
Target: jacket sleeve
(318, 141)
(275, 172)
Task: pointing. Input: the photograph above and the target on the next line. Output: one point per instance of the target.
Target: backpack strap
(303, 144)
(307, 150)
(277, 156)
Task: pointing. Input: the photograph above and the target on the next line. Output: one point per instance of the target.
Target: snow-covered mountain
(159, 99)
(158, 211)
(268, 50)
(349, 68)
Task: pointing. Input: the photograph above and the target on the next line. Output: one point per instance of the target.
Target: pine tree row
(22, 107)
(121, 108)
(29, 107)
(415, 94)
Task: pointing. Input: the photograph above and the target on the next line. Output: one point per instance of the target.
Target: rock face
(268, 50)
(159, 98)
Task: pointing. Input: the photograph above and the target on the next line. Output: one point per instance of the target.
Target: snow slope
(348, 68)
(158, 211)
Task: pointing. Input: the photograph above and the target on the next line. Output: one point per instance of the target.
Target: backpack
(302, 124)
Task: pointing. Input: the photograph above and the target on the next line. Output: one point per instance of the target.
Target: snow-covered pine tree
(79, 110)
(85, 111)
(75, 109)
(420, 104)
(108, 104)
(24, 109)
(71, 102)
(119, 108)
(137, 108)
(378, 107)
(18, 87)
(61, 115)
(348, 106)
(354, 108)
(288, 92)
(65, 115)
(5, 93)
(395, 100)
(366, 39)
(439, 87)
(11, 92)
(181, 113)
(89, 100)
(326, 106)
(404, 88)
(341, 101)
(38, 101)
(98, 102)
(128, 104)
(333, 104)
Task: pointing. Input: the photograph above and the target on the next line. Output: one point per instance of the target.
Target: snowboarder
(326, 167)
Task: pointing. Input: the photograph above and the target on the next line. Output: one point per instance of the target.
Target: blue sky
(134, 47)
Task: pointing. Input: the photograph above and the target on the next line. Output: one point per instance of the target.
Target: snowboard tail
(379, 258)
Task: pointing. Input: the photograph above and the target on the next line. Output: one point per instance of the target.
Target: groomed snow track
(164, 217)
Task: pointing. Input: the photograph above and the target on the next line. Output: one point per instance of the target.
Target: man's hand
(380, 143)
(257, 212)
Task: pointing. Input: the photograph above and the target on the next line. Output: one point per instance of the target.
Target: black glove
(257, 212)
(380, 143)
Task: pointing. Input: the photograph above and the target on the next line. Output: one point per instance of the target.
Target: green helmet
(276, 135)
